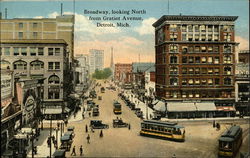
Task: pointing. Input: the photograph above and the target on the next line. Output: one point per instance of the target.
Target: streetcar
(117, 108)
(230, 142)
(165, 130)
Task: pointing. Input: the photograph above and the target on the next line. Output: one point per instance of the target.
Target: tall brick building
(195, 57)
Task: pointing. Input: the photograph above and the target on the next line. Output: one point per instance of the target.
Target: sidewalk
(42, 148)
(207, 119)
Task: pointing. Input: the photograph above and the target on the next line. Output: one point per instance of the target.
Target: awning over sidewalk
(180, 107)
(206, 106)
(225, 108)
(53, 111)
(160, 106)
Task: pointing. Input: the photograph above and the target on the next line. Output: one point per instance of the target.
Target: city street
(201, 137)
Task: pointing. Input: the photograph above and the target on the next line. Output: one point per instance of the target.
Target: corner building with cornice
(195, 58)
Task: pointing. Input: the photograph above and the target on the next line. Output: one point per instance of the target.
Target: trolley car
(230, 142)
(161, 129)
(117, 107)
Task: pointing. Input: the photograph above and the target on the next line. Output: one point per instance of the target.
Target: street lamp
(50, 149)
(32, 143)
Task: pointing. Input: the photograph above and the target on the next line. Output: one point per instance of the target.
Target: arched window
(5, 64)
(54, 91)
(227, 81)
(20, 65)
(53, 79)
(173, 81)
(227, 70)
(36, 65)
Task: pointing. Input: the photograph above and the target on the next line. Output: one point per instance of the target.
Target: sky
(128, 42)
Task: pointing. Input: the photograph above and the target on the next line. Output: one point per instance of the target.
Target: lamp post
(50, 149)
(32, 144)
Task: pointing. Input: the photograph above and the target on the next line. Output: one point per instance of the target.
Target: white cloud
(244, 43)
(146, 26)
(38, 17)
(53, 15)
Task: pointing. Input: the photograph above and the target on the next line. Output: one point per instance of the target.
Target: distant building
(96, 60)
(123, 73)
(195, 59)
(242, 83)
(82, 71)
(37, 59)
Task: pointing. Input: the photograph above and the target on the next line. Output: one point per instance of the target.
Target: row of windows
(198, 37)
(34, 25)
(197, 81)
(200, 28)
(197, 94)
(34, 51)
(34, 65)
(227, 59)
(173, 48)
(198, 70)
(34, 35)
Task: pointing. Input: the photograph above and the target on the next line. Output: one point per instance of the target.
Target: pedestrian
(86, 128)
(101, 134)
(129, 126)
(89, 114)
(66, 122)
(55, 144)
(73, 151)
(53, 138)
(81, 150)
(92, 129)
(48, 141)
(82, 115)
(213, 123)
(88, 139)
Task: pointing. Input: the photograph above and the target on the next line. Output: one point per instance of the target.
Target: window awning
(225, 108)
(160, 106)
(53, 111)
(180, 107)
(206, 106)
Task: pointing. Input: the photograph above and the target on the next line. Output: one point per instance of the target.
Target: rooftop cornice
(193, 18)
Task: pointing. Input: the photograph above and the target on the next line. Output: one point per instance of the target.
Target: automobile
(70, 134)
(95, 111)
(97, 124)
(118, 123)
(139, 114)
(71, 128)
(102, 90)
(66, 142)
(99, 97)
(59, 153)
(90, 105)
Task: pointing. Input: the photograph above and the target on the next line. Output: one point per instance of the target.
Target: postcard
(125, 78)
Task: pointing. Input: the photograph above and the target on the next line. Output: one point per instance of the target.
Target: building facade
(242, 83)
(82, 70)
(96, 60)
(61, 27)
(123, 73)
(40, 59)
(195, 57)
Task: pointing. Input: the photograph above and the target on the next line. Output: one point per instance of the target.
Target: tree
(102, 74)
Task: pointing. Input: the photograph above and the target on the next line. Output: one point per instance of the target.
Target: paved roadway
(201, 138)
